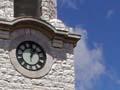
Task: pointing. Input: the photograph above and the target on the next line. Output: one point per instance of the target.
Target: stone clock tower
(36, 48)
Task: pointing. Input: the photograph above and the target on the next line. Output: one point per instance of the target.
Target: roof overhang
(47, 29)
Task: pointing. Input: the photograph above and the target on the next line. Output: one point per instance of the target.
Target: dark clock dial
(30, 55)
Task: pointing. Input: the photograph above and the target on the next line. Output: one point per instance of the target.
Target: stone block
(57, 43)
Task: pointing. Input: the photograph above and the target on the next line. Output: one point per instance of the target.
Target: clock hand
(30, 59)
(32, 53)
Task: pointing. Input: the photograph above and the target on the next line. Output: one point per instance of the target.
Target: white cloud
(88, 64)
(109, 13)
(71, 3)
(113, 75)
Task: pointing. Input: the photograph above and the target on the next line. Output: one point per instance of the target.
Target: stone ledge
(46, 28)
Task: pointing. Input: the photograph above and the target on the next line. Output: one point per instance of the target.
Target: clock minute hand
(31, 55)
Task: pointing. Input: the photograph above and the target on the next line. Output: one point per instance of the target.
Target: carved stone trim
(42, 26)
(19, 36)
(57, 43)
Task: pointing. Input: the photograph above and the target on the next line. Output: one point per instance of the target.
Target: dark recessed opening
(26, 8)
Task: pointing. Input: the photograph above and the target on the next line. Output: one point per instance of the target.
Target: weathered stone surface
(61, 75)
(6, 9)
(48, 9)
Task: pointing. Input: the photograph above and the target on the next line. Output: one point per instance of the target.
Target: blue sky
(98, 64)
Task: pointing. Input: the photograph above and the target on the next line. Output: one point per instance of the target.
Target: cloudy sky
(97, 55)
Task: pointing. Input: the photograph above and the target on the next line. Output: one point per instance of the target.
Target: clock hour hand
(32, 53)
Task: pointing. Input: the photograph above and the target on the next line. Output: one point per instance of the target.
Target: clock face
(30, 55)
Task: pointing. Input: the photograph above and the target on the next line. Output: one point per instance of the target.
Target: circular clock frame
(31, 55)
(19, 36)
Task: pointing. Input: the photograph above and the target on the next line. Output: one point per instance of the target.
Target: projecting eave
(41, 25)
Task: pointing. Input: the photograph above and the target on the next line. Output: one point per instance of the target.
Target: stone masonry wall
(59, 78)
(61, 75)
(6, 9)
(48, 9)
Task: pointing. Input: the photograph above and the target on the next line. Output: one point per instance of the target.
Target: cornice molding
(41, 25)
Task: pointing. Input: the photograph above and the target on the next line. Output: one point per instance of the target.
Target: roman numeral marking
(20, 51)
(34, 67)
(23, 63)
(38, 66)
(38, 50)
(33, 46)
(22, 47)
(27, 45)
(42, 61)
(41, 55)
(28, 67)
(19, 57)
